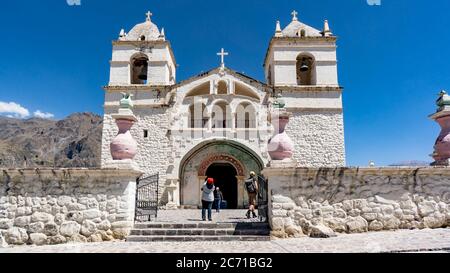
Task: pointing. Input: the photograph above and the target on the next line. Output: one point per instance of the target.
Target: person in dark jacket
(218, 197)
(251, 185)
(207, 198)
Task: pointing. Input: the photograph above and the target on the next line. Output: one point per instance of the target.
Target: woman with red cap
(208, 189)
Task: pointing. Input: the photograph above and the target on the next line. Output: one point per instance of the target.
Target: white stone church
(216, 123)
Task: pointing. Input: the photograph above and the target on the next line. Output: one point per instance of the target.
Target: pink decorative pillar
(280, 146)
(123, 147)
(441, 153)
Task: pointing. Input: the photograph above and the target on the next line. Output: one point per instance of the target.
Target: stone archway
(221, 158)
(194, 166)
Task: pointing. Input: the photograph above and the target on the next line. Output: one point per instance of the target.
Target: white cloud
(12, 109)
(40, 114)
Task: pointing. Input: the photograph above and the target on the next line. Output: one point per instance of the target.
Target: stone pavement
(195, 216)
(436, 240)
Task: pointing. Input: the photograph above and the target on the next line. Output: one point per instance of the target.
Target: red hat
(210, 180)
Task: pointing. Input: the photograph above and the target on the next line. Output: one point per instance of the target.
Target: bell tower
(300, 55)
(142, 57)
(142, 66)
(301, 65)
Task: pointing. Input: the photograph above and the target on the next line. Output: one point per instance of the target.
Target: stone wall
(66, 205)
(154, 151)
(318, 137)
(321, 201)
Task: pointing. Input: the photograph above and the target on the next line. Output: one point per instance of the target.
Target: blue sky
(393, 58)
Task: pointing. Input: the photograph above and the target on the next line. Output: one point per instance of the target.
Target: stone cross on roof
(149, 14)
(294, 15)
(222, 55)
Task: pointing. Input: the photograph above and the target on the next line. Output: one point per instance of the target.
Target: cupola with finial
(143, 56)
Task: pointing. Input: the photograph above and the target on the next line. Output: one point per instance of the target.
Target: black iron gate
(147, 198)
(263, 198)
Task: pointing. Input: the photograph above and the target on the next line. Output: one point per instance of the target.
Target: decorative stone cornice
(309, 88)
(137, 87)
(439, 115)
(304, 39)
(146, 44)
(312, 109)
(141, 43)
(138, 105)
(72, 172)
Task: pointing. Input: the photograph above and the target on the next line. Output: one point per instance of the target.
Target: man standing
(251, 185)
(218, 197)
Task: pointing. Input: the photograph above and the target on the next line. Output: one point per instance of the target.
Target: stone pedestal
(172, 194)
(285, 163)
(125, 164)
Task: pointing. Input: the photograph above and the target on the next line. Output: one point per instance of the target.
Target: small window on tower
(142, 38)
(145, 133)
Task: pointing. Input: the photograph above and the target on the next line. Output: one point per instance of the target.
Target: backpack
(250, 186)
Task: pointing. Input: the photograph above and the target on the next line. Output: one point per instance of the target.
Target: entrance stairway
(202, 231)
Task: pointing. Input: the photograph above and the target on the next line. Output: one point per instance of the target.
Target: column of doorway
(242, 196)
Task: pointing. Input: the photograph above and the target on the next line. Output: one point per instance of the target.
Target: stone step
(178, 238)
(154, 225)
(199, 232)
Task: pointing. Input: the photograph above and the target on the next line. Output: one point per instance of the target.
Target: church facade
(217, 124)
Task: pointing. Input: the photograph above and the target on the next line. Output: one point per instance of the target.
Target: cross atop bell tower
(149, 15)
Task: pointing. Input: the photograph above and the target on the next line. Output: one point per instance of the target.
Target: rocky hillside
(411, 163)
(72, 142)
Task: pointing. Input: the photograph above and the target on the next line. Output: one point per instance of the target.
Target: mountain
(412, 163)
(71, 142)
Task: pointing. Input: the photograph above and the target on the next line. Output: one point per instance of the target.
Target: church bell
(142, 67)
(143, 73)
(304, 67)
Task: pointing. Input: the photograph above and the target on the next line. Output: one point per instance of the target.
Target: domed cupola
(143, 57)
(146, 31)
(299, 29)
